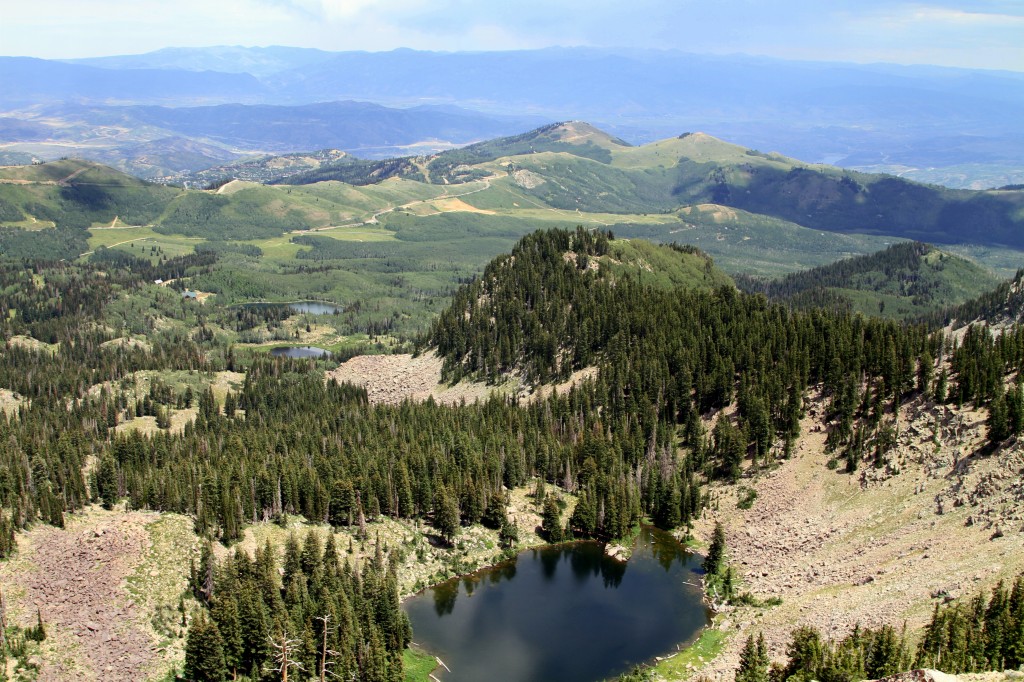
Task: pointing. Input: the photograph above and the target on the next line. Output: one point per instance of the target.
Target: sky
(983, 34)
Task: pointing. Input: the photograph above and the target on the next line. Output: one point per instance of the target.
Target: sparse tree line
(963, 637)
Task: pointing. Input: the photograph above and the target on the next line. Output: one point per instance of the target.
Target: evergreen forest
(632, 441)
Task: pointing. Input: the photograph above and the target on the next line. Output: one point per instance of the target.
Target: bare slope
(107, 587)
(878, 546)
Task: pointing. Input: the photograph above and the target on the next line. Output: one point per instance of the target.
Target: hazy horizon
(970, 35)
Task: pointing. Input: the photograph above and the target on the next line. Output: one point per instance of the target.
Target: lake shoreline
(586, 564)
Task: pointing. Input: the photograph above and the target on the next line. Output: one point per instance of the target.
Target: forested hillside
(906, 280)
(1002, 305)
(112, 381)
(667, 356)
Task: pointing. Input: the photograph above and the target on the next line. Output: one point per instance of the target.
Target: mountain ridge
(580, 176)
(654, 178)
(907, 118)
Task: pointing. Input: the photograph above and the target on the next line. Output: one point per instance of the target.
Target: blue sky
(983, 34)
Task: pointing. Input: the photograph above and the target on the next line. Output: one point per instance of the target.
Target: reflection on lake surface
(314, 308)
(300, 352)
(310, 307)
(563, 613)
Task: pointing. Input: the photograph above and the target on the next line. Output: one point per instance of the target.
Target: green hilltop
(907, 280)
(397, 236)
(573, 166)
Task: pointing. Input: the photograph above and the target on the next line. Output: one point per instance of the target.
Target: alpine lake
(299, 352)
(566, 612)
(301, 307)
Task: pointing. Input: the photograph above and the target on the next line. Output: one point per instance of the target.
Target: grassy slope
(426, 246)
(79, 194)
(663, 267)
(870, 548)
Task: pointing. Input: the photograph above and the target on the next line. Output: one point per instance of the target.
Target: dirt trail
(76, 577)
(374, 219)
(64, 182)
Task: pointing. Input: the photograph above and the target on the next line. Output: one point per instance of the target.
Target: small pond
(300, 352)
(566, 613)
(310, 307)
(314, 308)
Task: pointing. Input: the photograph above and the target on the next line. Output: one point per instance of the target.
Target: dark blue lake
(300, 352)
(566, 613)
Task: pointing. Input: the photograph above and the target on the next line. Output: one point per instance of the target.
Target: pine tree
(508, 536)
(106, 482)
(583, 521)
(925, 371)
(888, 654)
(7, 542)
(551, 520)
(494, 515)
(754, 660)
(715, 558)
(204, 652)
(806, 655)
(446, 515)
(998, 421)
(225, 614)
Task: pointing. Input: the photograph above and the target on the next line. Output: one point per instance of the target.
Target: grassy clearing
(147, 425)
(758, 245)
(1003, 261)
(277, 248)
(160, 583)
(10, 402)
(32, 225)
(681, 666)
(34, 344)
(418, 665)
(108, 237)
(358, 233)
(156, 248)
(137, 384)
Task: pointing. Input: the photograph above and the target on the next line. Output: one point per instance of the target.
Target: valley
(394, 245)
(334, 365)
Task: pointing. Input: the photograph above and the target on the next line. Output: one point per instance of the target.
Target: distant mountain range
(572, 170)
(158, 142)
(952, 125)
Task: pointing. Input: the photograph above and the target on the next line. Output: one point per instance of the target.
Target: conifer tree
(551, 520)
(446, 515)
(998, 421)
(225, 614)
(508, 536)
(754, 660)
(715, 558)
(106, 482)
(888, 654)
(204, 652)
(806, 655)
